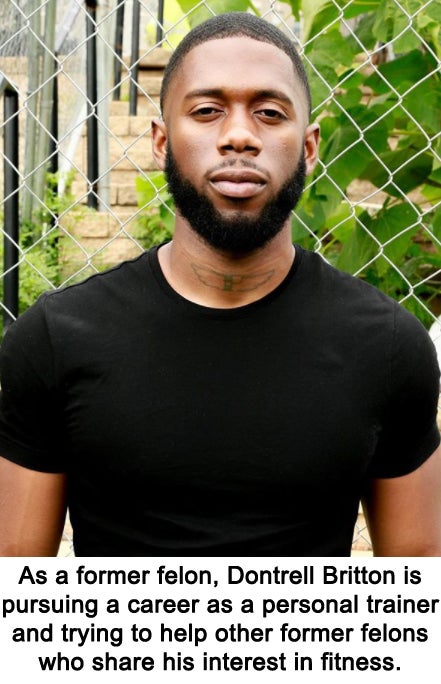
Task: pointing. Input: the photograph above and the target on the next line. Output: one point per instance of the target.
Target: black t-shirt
(188, 430)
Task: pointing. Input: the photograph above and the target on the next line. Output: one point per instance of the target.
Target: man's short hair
(229, 25)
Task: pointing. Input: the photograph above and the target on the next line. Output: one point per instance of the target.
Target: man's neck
(221, 280)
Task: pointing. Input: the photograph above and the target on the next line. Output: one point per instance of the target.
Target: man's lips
(238, 183)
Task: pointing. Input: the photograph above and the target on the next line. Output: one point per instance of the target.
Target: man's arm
(32, 511)
(404, 513)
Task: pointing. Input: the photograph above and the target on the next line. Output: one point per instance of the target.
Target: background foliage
(39, 267)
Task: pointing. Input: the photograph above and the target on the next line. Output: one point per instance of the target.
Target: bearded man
(227, 393)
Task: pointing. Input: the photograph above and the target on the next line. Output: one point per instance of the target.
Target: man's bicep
(32, 510)
(404, 513)
(31, 417)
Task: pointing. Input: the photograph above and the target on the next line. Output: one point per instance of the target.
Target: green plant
(197, 12)
(380, 128)
(38, 245)
(155, 224)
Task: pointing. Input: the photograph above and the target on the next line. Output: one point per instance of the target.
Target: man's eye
(271, 114)
(206, 111)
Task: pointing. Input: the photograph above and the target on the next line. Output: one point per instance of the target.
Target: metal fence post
(11, 204)
(118, 49)
(92, 100)
(53, 140)
(160, 24)
(134, 60)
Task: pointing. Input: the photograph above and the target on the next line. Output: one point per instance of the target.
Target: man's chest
(227, 411)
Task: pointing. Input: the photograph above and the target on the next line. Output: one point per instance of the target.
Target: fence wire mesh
(373, 206)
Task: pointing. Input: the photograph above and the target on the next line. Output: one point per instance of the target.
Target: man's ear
(159, 142)
(312, 137)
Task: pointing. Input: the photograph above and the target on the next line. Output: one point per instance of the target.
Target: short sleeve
(409, 432)
(29, 406)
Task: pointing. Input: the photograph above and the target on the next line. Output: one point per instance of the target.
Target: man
(227, 393)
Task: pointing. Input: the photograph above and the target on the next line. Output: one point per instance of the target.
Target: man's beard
(237, 233)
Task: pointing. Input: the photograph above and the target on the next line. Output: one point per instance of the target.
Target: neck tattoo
(230, 282)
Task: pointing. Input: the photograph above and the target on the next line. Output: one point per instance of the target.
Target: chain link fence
(82, 193)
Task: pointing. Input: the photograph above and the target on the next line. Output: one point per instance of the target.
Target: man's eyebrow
(205, 92)
(266, 93)
(273, 94)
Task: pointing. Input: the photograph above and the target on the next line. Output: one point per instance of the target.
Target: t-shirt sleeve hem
(425, 449)
(28, 459)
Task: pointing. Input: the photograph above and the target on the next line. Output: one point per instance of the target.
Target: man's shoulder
(351, 297)
(113, 276)
(94, 299)
(333, 282)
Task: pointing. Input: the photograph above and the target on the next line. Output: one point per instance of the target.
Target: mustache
(242, 163)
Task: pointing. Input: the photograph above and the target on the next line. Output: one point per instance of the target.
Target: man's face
(235, 143)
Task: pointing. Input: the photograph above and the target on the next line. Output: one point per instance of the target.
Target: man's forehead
(216, 62)
(220, 52)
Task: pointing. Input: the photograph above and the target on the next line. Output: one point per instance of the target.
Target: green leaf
(358, 250)
(423, 103)
(341, 223)
(350, 98)
(168, 219)
(327, 193)
(352, 79)
(399, 74)
(196, 12)
(311, 9)
(302, 236)
(408, 40)
(352, 159)
(348, 150)
(310, 213)
(193, 16)
(330, 49)
(364, 31)
(437, 153)
(319, 14)
(436, 223)
(383, 25)
(148, 187)
(395, 228)
(329, 54)
(408, 168)
(432, 189)
(321, 84)
(328, 125)
(295, 7)
(373, 126)
(224, 6)
(433, 10)
(431, 192)
(393, 22)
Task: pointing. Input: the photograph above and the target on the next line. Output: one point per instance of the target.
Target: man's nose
(239, 134)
